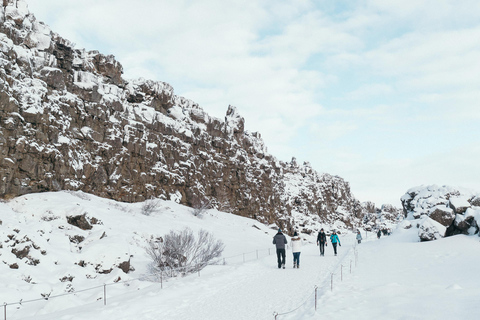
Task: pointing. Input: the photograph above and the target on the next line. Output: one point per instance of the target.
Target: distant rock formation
(380, 218)
(69, 121)
(458, 210)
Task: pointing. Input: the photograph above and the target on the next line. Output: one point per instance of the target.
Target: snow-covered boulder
(405, 224)
(446, 205)
(467, 223)
(475, 201)
(442, 214)
(459, 204)
(429, 229)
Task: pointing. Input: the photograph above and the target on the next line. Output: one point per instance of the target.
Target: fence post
(104, 294)
(275, 315)
(316, 298)
(5, 310)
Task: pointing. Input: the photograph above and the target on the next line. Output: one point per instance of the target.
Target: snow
(400, 279)
(460, 202)
(396, 277)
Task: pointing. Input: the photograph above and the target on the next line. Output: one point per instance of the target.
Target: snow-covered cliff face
(453, 210)
(69, 121)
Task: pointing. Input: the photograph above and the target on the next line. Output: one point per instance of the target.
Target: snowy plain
(396, 277)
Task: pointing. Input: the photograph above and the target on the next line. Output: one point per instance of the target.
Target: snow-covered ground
(395, 277)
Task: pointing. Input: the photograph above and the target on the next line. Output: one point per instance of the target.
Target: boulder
(459, 204)
(442, 215)
(79, 221)
(475, 201)
(430, 230)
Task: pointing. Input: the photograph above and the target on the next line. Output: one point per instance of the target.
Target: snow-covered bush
(150, 206)
(199, 208)
(181, 252)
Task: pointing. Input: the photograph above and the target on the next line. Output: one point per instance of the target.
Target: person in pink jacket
(296, 245)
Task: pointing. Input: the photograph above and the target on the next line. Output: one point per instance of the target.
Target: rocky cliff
(70, 121)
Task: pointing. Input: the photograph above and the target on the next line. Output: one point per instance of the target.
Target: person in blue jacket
(359, 237)
(334, 239)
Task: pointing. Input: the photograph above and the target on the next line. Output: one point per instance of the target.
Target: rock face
(457, 210)
(69, 121)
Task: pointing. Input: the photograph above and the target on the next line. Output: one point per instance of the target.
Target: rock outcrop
(455, 209)
(379, 218)
(69, 121)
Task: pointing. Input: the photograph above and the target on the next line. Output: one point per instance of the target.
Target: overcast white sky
(384, 94)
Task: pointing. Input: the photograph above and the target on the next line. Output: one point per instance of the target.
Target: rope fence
(315, 293)
(162, 277)
(154, 276)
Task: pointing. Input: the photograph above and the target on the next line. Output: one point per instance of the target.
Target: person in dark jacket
(335, 240)
(322, 241)
(279, 240)
(379, 233)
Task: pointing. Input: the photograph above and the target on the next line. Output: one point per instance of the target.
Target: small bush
(200, 207)
(181, 252)
(150, 206)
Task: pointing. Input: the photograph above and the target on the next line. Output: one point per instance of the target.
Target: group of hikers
(279, 240)
(386, 232)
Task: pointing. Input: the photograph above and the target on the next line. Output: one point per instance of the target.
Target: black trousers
(280, 257)
(334, 247)
(322, 248)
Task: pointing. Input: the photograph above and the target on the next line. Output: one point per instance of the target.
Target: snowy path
(255, 290)
(251, 290)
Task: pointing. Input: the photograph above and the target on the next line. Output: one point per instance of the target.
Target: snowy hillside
(43, 255)
(378, 278)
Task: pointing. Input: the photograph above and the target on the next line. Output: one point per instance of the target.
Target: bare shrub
(200, 207)
(181, 252)
(80, 194)
(150, 206)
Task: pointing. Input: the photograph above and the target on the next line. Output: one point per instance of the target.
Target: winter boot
(294, 265)
(283, 266)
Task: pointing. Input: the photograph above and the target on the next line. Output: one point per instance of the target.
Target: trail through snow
(251, 290)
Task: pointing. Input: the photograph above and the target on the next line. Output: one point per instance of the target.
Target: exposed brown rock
(80, 222)
(69, 121)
